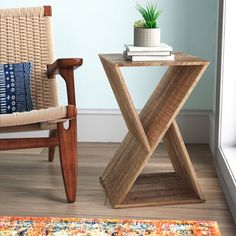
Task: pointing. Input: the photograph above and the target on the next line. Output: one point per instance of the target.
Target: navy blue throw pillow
(15, 94)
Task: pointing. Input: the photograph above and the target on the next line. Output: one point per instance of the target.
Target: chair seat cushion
(15, 94)
(33, 116)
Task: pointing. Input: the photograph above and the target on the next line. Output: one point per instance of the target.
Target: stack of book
(162, 52)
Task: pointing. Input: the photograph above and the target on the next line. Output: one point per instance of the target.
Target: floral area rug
(33, 226)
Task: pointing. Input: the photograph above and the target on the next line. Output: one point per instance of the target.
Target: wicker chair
(26, 35)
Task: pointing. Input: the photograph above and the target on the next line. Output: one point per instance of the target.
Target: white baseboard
(109, 126)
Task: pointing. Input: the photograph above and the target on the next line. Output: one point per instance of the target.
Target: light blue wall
(86, 28)
(201, 35)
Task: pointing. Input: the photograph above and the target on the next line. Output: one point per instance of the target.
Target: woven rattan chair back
(26, 35)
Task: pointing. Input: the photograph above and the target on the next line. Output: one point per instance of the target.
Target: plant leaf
(150, 14)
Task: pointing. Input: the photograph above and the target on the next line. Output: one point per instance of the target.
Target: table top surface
(181, 59)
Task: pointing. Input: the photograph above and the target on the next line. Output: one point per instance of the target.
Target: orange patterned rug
(35, 226)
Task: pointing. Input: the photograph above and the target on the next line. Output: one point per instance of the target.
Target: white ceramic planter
(144, 37)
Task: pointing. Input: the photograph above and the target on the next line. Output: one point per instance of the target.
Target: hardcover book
(150, 58)
(162, 47)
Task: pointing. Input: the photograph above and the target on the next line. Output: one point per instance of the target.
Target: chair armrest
(65, 67)
(65, 63)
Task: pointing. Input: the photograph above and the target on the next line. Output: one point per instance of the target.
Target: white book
(151, 58)
(161, 47)
(151, 53)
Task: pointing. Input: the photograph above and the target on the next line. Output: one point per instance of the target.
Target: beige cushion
(34, 116)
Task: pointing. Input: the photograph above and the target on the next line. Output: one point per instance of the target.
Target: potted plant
(146, 32)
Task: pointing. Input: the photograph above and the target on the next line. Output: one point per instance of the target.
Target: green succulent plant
(150, 14)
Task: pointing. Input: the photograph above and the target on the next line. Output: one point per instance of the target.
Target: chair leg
(68, 157)
(51, 150)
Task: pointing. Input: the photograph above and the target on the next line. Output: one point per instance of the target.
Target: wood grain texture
(68, 157)
(167, 99)
(30, 186)
(159, 189)
(65, 67)
(153, 122)
(125, 103)
(19, 143)
(181, 59)
(51, 150)
(180, 159)
(66, 63)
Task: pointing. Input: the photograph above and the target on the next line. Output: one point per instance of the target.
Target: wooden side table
(123, 184)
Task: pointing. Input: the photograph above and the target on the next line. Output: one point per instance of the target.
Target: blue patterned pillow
(15, 94)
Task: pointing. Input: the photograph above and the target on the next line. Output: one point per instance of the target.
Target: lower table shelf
(158, 189)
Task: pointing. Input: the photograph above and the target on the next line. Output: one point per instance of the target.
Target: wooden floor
(30, 186)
